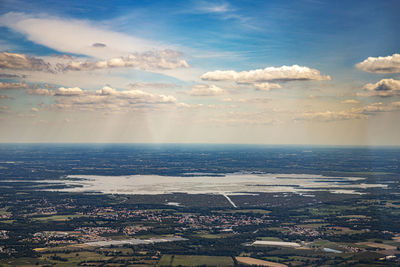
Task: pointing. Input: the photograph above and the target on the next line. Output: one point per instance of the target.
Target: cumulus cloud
(267, 86)
(206, 90)
(40, 91)
(105, 93)
(72, 91)
(15, 61)
(62, 91)
(352, 114)
(150, 60)
(138, 95)
(139, 85)
(106, 99)
(350, 101)
(389, 64)
(380, 107)
(7, 86)
(162, 59)
(383, 88)
(284, 73)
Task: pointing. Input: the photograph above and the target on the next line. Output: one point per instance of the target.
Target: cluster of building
(219, 221)
(302, 231)
(133, 229)
(7, 251)
(3, 234)
(89, 234)
(53, 238)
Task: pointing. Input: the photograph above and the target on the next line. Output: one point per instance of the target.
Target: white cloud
(350, 101)
(107, 99)
(265, 79)
(7, 86)
(244, 118)
(206, 90)
(213, 8)
(22, 62)
(40, 91)
(150, 60)
(138, 95)
(380, 107)
(257, 100)
(138, 85)
(284, 73)
(72, 91)
(353, 114)
(75, 36)
(389, 64)
(328, 116)
(267, 86)
(384, 88)
(62, 91)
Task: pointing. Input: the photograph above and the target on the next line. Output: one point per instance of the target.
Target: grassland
(192, 260)
(59, 218)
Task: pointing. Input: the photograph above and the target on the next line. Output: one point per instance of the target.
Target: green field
(189, 260)
(212, 236)
(257, 211)
(269, 238)
(59, 218)
(73, 259)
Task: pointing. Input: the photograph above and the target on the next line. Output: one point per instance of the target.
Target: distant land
(225, 205)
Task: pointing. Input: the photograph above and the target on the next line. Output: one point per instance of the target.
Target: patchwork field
(191, 260)
(252, 261)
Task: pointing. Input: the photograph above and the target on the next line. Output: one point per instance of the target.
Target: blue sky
(326, 93)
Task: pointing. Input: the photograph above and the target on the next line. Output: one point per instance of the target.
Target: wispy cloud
(76, 36)
(206, 90)
(221, 9)
(8, 86)
(212, 7)
(352, 114)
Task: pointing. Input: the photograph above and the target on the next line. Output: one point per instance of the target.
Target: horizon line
(197, 143)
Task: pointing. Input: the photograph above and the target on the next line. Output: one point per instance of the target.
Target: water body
(275, 243)
(331, 250)
(224, 184)
(134, 241)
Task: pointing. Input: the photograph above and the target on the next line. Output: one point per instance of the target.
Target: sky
(306, 72)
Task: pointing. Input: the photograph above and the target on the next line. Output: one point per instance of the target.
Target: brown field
(376, 245)
(252, 261)
(396, 238)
